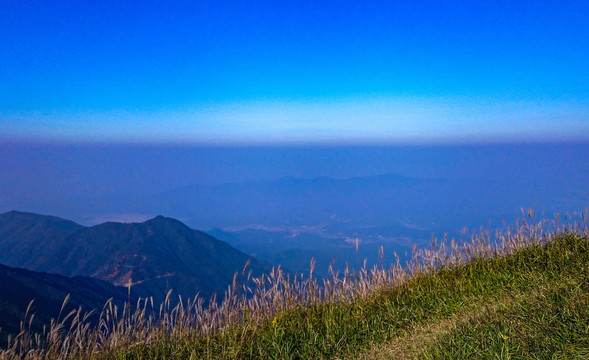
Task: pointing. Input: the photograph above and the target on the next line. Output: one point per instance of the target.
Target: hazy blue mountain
(20, 286)
(156, 255)
(288, 200)
(436, 204)
(447, 186)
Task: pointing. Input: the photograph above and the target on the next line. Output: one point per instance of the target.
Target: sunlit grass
(521, 293)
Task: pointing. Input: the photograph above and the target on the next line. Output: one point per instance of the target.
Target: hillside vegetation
(522, 293)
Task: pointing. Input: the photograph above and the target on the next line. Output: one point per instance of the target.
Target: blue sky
(294, 71)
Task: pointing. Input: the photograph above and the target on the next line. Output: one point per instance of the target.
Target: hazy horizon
(80, 181)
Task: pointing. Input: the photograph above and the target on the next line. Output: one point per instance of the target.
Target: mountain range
(441, 188)
(153, 257)
(433, 203)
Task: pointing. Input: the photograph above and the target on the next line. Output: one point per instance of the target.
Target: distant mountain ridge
(287, 200)
(154, 256)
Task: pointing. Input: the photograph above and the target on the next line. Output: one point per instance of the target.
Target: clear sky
(294, 71)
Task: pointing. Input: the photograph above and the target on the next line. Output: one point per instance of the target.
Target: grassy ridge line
(552, 325)
(346, 329)
(549, 320)
(411, 345)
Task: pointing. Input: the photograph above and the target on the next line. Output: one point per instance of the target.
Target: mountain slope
(155, 256)
(48, 291)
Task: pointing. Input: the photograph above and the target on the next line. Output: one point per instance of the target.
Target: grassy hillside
(522, 294)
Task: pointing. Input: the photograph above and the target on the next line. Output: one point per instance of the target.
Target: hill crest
(154, 256)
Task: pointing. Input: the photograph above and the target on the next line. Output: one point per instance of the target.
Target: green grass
(551, 321)
(528, 298)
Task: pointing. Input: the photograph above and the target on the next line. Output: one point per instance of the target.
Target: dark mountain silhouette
(48, 291)
(155, 256)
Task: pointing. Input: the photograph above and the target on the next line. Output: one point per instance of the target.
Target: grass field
(520, 294)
